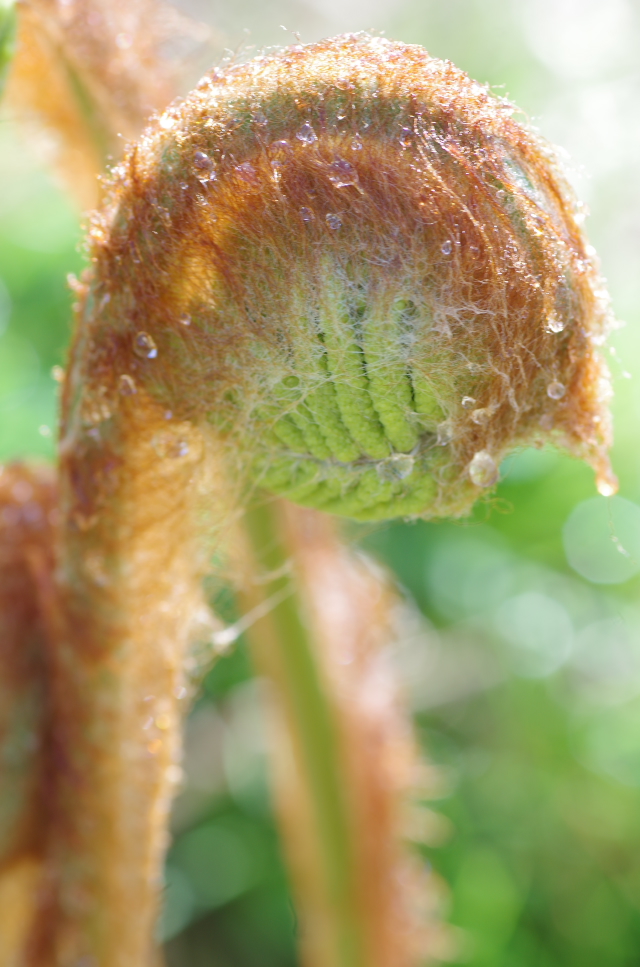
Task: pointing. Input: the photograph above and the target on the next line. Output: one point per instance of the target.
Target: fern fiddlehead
(341, 274)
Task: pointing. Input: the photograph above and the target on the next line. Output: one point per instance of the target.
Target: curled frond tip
(353, 267)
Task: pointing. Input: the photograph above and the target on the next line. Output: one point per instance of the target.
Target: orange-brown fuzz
(27, 506)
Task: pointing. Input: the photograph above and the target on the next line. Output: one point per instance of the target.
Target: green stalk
(285, 650)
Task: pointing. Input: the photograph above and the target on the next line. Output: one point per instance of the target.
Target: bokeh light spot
(602, 539)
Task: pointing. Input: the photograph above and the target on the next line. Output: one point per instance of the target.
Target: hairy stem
(128, 584)
(285, 651)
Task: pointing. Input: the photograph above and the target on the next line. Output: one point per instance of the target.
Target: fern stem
(285, 651)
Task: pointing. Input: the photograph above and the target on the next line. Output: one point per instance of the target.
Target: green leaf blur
(8, 23)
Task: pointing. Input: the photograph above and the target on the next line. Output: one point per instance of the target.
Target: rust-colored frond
(90, 74)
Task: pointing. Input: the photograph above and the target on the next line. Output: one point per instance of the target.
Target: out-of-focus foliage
(8, 22)
(522, 653)
(39, 234)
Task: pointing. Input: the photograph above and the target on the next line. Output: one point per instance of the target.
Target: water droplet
(126, 385)
(291, 381)
(607, 485)
(306, 214)
(482, 415)
(144, 346)
(333, 221)
(185, 319)
(57, 374)
(447, 247)
(406, 137)
(343, 84)
(501, 194)
(306, 134)
(556, 390)
(445, 433)
(203, 168)
(184, 186)
(399, 466)
(342, 174)
(554, 323)
(167, 122)
(260, 119)
(202, 161)
(247, 173)
(356, 143)
(281, 149)
(276, 171)
(483, 470)
(468, 402)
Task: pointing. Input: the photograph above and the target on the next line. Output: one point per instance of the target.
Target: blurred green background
(522, 665)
